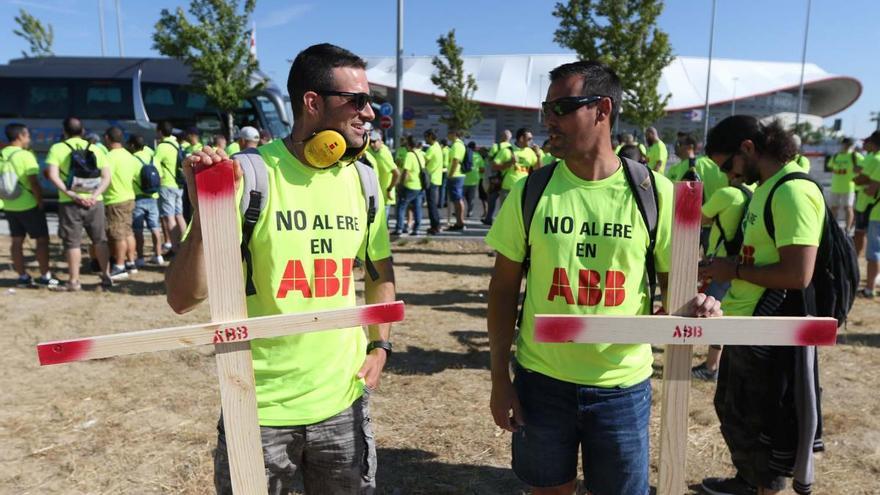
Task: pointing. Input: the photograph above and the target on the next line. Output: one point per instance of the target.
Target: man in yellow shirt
(571, 398)
(81, 177)
(24, 208)
(434, 167)
(312, 389)
(872, 212)
(386, 169)
(764, 439)
(843, 190)
(657, 153)
(168, 154)
(146, 207)
(516, 161)
(119, 204)
(455, 181)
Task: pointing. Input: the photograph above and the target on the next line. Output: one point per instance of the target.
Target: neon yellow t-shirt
(875, 211)
(59, 156)
(803, 162)
(124, 169)
(232, 148)
(799, 216)
(304, 246)
(711, 175)
(190, 148)
(23, 163)
(525, 159)
(384, 167)
(657, 152)
(547, 159)
(868, 166)
(165, 160)
(677, 170)
(842, 172)
(434, 163)
(456, 152)
(145, 155)
(445, 150)
(727, 204)
(412, 166)
(472, 178)
(588, 248)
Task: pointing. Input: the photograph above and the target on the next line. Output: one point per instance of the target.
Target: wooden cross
(679, 334)
(230, 331)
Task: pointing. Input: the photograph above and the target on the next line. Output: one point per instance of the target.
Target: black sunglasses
(567, 104)
(727, 166)
(360, 100)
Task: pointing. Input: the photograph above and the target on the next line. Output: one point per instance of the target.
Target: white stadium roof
(521, 81)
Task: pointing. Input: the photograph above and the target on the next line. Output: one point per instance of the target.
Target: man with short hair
(146, 208)
(170, 192)
(434, 168)
(863, 172)
(685, 150)
(494, 177)
(472, 179)
(843, 190)
(265, 137)
(80, 203)
(762, 423)
(657, 153)
(192, 143)
(872, 212)
(248, 137)
(455, 179)
(312, 389)
(218, 141)
(516, 161)
(119, 204)
(571, 398)
(24, 213)
(387, 171)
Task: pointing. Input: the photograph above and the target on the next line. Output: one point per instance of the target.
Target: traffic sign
(386, 109)
(386, 122)
(408, 113)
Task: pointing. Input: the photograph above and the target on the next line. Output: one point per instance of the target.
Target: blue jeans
(872, 252)
(443, 198)
(608, 425)
(433, 205)
(404, 199)
(718, 289)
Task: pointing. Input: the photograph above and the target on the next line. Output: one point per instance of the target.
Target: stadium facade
(511, 87)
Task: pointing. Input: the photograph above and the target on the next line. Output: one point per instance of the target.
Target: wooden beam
(226, 296)
(683, 279)
(674, 330)
(238, 330)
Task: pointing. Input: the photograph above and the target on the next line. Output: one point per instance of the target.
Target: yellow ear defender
(327, 148)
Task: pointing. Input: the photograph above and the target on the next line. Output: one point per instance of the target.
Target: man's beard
(751, 173)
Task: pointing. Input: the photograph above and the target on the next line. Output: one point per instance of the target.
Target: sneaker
(867, 294)
(702, 372)
(395, 233)
(433, 231)
(456, 228)
(140, 263)
(24, 281)
(117, 273)
(158, 260)
(48, 282)
(727, 486)
(107, 282)
(71, 286)
(130, 267)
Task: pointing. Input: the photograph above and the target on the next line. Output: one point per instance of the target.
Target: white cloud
(283, 16)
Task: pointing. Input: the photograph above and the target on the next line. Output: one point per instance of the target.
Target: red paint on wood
(688, 203)
(557, 329)
(384, 313)
(63, 352)
(215, 180)
(817, 333)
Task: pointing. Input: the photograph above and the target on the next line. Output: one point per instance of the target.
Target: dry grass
(145, 424)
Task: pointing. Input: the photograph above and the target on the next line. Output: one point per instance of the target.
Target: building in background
(511, 88)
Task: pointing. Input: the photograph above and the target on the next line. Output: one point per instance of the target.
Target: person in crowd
(387, 171)
(119, 204)
(167, 159)
(455, 178)
(494, 177)
(146, 207)
(657, 153)
(434, 167)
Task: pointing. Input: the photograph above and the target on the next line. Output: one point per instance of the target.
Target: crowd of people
(557, 400)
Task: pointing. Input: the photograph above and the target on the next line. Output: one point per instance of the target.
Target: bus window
(46, 99)
(272, 116)
(104, 99)
(10, 98)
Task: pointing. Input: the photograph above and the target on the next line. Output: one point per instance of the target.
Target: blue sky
(843, 34)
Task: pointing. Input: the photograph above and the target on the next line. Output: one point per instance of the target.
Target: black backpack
(149, 179)
(178, 169)
(641, 183)
(467, 164)
(836, 274)
(733, 246)
(83, 171)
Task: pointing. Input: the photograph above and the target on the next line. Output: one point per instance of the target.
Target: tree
(38, 36)
(216, 49)
(456, 83)
(622, 34)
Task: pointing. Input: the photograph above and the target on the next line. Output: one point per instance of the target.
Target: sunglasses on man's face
(567, 104)
(727, 166)
(359, 100)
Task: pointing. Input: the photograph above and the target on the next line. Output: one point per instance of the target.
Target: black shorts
(861, 220)
(29, 222)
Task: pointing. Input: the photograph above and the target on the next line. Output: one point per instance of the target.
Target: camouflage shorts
(335, 456)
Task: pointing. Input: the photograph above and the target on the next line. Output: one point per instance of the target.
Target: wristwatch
(380, 344)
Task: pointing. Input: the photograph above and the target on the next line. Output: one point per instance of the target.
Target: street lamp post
(709, 75)
(733, 100)
(800, 102)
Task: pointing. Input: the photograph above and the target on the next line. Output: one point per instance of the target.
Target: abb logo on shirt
(747, 255)
(590, 291)
(330, 277)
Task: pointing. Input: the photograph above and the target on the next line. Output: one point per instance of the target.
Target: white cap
(375, 136)
(248, 133)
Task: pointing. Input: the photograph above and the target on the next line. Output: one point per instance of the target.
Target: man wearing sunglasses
(567, 398)
(312, 389)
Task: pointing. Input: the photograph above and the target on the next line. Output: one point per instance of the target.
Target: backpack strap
(768, 206)
(644, 188)
(533, 189)
(370, 187)
(731, 245)
(255, 183)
